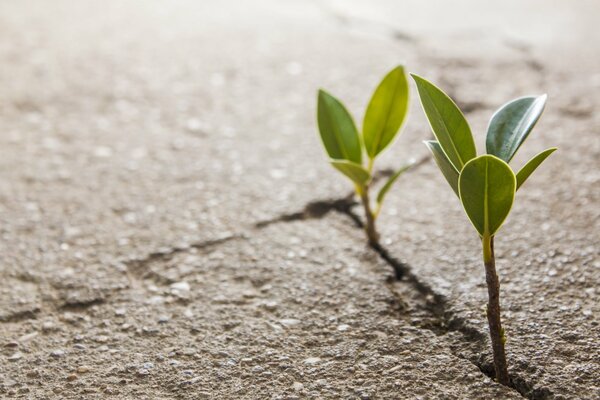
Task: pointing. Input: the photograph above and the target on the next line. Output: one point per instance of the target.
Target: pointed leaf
(337, 128)
(386, 112)
(390, 182)
(531, 166)
(487, 189)
(448, 170)
(447, 123)
(511, 124)
(354, 171)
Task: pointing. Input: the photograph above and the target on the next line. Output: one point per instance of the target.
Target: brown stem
(370, 229)
(493, 311)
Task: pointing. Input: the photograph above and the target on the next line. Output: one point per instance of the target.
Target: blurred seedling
(485, 184)
(346, 147)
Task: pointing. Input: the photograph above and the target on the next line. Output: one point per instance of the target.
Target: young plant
(485, 184)
(384, 116)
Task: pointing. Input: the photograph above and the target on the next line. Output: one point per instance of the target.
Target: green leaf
(390, 182)
(354, 171)
(386, 112)
(531, 166)
(448, 170)
(447, 123)
(487, 189)
(511, 124)
(337, 128)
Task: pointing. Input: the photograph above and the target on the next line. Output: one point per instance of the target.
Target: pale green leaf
(532, 165)
(338, 132)
(511, 124)
(390, 182)
(447, 123)
(354, 171)
(386, 112)
(448, 170)
(487, 189)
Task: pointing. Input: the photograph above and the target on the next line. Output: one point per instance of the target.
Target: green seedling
(346, 147)
(485, 184)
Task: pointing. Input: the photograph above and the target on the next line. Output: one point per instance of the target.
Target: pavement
(171, 228)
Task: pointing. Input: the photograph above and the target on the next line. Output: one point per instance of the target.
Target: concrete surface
(141, 143)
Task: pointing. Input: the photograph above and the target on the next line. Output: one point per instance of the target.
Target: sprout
(345, 146)
(486, 184)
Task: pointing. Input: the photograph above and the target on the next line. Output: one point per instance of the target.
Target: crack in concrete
(433, 303)
(21, 316)
(366, 25)
(138, 268)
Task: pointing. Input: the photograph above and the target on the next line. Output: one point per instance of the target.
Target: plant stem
(493, 311)
(370, 229)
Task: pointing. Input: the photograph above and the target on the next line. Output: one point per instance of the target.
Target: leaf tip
(416, 78)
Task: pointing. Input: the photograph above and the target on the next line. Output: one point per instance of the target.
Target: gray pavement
(140, 144)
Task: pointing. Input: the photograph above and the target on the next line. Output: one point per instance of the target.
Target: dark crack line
(139, 268)
(368, 26)
(436, 304)
(320, 208)
(81, 305)
(21, 316)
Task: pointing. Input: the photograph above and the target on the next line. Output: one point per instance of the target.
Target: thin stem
(370, 229)
(493, 311)
(370, 166)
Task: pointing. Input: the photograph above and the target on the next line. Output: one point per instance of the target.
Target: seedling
(383, 119)
(485, 184)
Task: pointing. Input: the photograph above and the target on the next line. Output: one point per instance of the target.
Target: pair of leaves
(484, 183)
(383, 119)
(486, 187)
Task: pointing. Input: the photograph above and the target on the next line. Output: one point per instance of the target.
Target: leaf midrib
(387, 118)
(336, 132)
(485, 200)
(439, 117)
(519, 127)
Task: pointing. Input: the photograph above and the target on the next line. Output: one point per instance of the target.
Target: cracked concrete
(166, 208)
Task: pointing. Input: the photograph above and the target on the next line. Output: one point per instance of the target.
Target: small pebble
(83, 369)
(57, 353)
(270, 305)
(289, 322)
(15, 357)
(181, 286)
(312, 360)
(71, 377)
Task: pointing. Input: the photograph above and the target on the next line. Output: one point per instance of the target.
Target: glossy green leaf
(447, 123)
(487, 187)
(532, 165)
(386, 112)
(448, 170)
(511, 124)
(390, 182)
(338, 132)
(354, 171)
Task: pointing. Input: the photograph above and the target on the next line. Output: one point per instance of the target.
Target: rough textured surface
(141, 144)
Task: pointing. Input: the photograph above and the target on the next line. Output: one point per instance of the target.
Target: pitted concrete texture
(142, 143)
